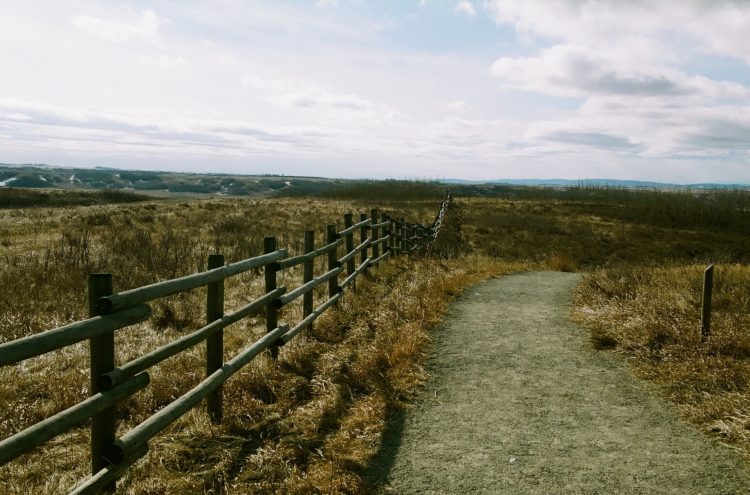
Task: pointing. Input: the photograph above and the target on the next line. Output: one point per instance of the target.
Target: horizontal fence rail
(31, 437)
(52, 340)
(132, 297)
(297, 260)
(380, 237)
(117, 375)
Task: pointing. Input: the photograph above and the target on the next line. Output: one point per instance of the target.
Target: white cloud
(326, 3)
(655, 127)
(719, 27)
(571, 70)
(301, 94)
(101, 132)
(333, 3)
(144, 25)
(574, 70)
(616, 84)
(466, 7)
(625, 59)
(601, 140)
(456, 106)
(15, 116)
(164, 61)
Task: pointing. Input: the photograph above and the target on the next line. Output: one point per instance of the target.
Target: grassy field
(652, 315)
(311, 422)
(308, 423)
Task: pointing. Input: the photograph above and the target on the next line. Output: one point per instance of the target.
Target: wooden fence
(379, 238)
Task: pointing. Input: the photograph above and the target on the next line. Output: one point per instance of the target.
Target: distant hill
(158, 183)
(597, 183)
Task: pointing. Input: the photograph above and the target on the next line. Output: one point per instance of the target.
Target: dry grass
(652, 315)
(561, 263)
(587, 234)
(309, 423)
(312, 421)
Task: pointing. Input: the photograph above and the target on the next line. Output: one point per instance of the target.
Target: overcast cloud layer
(656, 90)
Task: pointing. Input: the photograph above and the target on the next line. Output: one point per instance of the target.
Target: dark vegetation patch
(12, 197)
(376, 190)
(575, 234)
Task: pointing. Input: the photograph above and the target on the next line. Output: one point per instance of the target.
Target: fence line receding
(380, 237)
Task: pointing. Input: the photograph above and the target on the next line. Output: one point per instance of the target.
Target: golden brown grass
(652, 315)
(312, 421)
(308, 423)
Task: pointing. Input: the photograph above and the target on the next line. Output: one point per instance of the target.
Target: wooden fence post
(708, 281)
(307, 275)
(397, 240)
(375, 234)
(333, 285)
(269, 272)
(363, 238)
(349, 243)
(404, 242)
(386, 232)
(383, 233)
(393, 241)
(215, 342)
(102, 360)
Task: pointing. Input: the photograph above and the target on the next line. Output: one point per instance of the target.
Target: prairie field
(308, 422)
(311, 422)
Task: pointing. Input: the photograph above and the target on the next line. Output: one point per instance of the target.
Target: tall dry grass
(308, 423)
(311, 422)
(716, 210)
(584, 235)
(652, 316)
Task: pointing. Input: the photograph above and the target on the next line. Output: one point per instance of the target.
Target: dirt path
(519, 404)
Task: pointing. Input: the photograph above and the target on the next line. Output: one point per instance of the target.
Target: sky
(418, 89)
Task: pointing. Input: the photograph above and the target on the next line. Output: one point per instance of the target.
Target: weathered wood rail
(379, 239)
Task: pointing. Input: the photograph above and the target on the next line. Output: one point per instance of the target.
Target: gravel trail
(519, 403)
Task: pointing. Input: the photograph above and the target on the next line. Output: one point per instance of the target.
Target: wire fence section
(380, 237)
